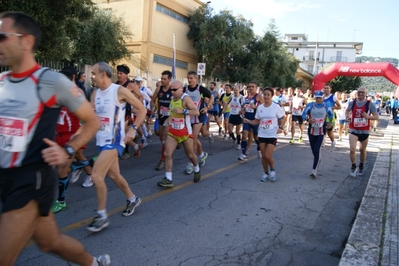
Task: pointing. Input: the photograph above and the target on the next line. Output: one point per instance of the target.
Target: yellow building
(153, 24)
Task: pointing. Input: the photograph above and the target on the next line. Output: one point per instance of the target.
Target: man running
(359, 113)
(110, 102)
(181, 108)
(215, 110)
(298, 102)
(333, 101)
(161, 101)
(28, 117)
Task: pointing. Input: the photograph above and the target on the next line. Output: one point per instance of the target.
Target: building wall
(153, 35)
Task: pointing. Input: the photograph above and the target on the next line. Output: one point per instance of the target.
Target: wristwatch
(134, 127)
(70, 151)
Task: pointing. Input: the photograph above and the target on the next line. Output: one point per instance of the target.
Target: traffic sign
(201, 69)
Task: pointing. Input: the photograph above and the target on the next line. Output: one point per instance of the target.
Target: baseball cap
(138, 78)
(318, 94)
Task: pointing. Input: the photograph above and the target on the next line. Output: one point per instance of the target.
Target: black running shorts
(18, 186)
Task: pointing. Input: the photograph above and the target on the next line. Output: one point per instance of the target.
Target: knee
(167, 153)
(50, 246)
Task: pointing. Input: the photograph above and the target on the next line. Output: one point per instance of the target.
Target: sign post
(201, 70)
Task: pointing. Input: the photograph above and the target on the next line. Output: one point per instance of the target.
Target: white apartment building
(315, 56)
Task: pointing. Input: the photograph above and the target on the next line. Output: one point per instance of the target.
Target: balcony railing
(339, 59)
(309, 58)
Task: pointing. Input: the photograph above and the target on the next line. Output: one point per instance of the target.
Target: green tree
(102, 38)
(58, 21)
(345, 83)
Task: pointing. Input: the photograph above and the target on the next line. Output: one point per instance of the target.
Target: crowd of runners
(120, 115)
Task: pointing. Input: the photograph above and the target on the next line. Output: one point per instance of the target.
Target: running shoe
(160, 165)
(58, 206)
(333, 145)
(242, 157)
(165, 183)
(75, 175)
(360, 172)
(211, 139)
(238, 147)
(130, 206)
(97, 224)
(138, 151)
(144, 143)
(225, 137)
(314, 173)
(259, 154)
(272, 175)
(339, 139)
(125, 155)
(264, 177)
(197, 176)
(88, 182)
(220, 131)
(300, 139)
(292, 140)
(103, 260)
(353, 171)
(202, 159)
(189, 169)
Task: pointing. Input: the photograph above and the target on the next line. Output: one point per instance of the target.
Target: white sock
(132, 199)
(136, 147)
(102, 213)
(95, 262)
(145, 133)
(168, 176)
(202, 155)
(196, 168)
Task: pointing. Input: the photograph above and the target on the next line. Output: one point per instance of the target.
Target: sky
(375, 23)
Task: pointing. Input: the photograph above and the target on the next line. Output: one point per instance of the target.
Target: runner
(180, 131)
(27, 178)
(316, 113)
(359, 114)
(235, 118)
(225, 100)
(333, 101)
(270, 119)
(110, 103)
(341, 116)
(197, 94)
(251, 103)
(161, 101)
(298, 102)
(215, 110)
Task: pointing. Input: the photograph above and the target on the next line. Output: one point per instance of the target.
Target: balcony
(339, 59)
(309, 58)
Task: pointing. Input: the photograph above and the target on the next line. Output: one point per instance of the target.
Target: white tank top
(111, 114)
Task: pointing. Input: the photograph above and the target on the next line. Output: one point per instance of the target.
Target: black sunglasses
(175, 89)
(4, 35)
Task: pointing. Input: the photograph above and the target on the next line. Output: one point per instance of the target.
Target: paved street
(230, 217)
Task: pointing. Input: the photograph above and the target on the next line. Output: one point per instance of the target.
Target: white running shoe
(272, 175)
(103, 260)
(189, 169)
(333, 145)
(242, 157)
(88, 182)
(314, 173)
(259, 154)
(264, 178)
(238, 147)
(75, 175)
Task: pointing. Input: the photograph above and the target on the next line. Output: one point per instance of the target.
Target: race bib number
(266, 124)
(196, 104)
(318, 122)
(13, 134)
(248, 109)
(360, 122)
(296, 111)
(235, 108)
(164, 111)
(177, 123)
(61, 117)
(105, 124)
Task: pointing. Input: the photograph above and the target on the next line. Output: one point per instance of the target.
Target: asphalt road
(230, 217)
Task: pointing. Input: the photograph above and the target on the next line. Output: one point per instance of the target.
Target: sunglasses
(175, 89)
(4, 35)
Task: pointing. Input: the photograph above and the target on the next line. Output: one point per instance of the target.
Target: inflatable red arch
(386, 70)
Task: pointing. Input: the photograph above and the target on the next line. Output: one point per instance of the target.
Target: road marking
(114, 211)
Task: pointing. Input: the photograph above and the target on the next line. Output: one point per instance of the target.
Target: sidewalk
(374, 236)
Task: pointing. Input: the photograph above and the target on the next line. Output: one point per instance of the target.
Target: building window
(168, 61)
(171, 13)
(294, 38)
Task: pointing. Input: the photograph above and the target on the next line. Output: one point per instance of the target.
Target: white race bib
(164, 111)
(360, 122)
(61, 117)
(318, 122)
(177, 123)
(105, 124)
(13, 134)
(266, 123)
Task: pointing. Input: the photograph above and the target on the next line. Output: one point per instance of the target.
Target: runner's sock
(238, 138)
(232, 136)
(62, 187)
(244, 145)
(168, 176)
(196, 169)
(102, 213)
